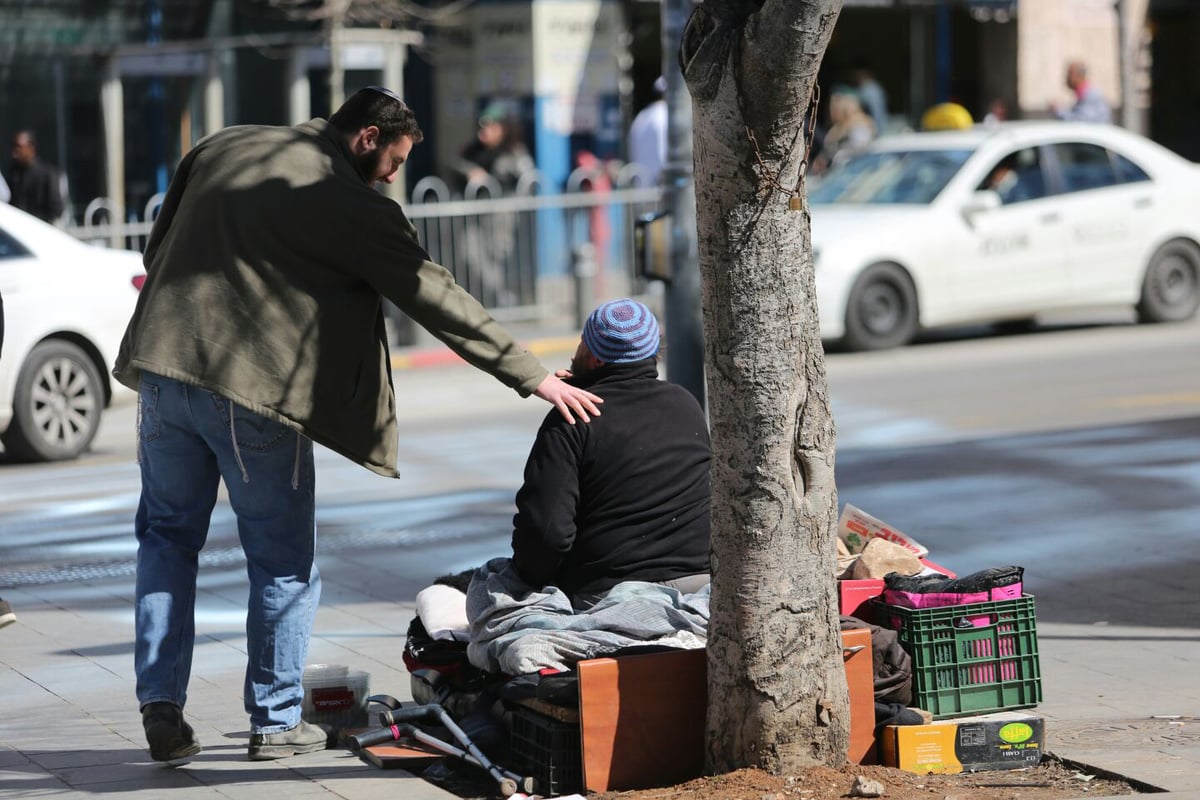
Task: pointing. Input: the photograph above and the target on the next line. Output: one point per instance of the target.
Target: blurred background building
(118, 90)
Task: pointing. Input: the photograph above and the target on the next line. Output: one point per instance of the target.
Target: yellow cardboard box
(1005, 740)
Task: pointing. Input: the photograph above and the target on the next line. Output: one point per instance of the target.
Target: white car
(999, 224)
(66, 305)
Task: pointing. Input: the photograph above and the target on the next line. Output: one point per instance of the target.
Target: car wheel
(56, 408)
(1171, 288)
(882, 310)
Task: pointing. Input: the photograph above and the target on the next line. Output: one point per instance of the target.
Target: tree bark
(777, 686)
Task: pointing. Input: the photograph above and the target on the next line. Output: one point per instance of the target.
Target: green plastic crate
(970, 659)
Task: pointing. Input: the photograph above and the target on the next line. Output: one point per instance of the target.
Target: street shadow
(118, 771)
(126, 648)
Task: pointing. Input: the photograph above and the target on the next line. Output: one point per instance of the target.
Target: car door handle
(1050, 218)
(1143, 202)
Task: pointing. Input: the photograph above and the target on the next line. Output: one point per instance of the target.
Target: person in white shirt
(648, 136)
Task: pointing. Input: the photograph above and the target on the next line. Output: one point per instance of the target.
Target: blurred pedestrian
(850, 129)
(648, 136)
(495, 159)
(258, 331)
(1090, 105)
(997, 112)
(872, 96)
(34, 184)
(497, 150)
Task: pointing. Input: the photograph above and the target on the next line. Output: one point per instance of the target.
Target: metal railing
(526, 255)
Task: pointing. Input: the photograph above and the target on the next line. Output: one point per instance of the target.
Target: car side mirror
(980, 202)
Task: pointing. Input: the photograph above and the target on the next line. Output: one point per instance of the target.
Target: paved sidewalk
(69, 724)
(70, 728)
(1117, 698)
(1124, 699)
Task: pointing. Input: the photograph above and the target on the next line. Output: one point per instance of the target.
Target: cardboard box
(1005, 740)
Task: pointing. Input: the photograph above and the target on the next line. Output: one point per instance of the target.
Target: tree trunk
(777, 686)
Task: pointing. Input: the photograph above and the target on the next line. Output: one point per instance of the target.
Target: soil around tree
(1050, 780)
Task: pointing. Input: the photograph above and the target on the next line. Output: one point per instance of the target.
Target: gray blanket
(517, 628)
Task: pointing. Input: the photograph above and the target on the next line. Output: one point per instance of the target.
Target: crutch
(397, 724)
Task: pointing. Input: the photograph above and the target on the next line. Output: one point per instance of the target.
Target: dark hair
(380, 107)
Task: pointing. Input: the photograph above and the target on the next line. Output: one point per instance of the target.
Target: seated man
(1016, 178)
(625, 497)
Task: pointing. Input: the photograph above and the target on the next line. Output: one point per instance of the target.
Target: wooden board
(392, 756)
(642, 719)
(411, 755)
(860, 677)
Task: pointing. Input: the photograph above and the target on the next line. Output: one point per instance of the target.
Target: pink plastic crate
(855, 594)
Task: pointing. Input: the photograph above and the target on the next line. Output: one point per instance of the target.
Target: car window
(1084, 166)
(10, 247)
(909, 177)
(1017, 177)
(1129, 172)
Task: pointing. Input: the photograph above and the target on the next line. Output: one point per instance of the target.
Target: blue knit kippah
(621, 331)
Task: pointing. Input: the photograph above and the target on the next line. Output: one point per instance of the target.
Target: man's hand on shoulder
(571, 401)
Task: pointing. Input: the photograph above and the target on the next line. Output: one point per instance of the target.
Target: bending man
(259, 330)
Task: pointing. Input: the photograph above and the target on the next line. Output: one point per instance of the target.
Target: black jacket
(623, 497)
(35, 190)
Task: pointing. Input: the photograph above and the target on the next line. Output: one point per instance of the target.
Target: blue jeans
(189, 439)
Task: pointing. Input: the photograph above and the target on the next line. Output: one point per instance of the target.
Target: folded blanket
(443, 612)
(517, 628)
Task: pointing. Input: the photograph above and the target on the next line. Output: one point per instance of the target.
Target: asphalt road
(1073, 451)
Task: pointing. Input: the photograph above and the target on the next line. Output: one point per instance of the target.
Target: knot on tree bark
(704, 51)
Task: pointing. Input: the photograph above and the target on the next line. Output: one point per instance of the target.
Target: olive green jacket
(265, 272)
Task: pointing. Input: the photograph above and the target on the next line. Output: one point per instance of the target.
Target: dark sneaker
(170, 738)
(304, 738)
(7, 617)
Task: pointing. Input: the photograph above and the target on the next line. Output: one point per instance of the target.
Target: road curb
(440, 356)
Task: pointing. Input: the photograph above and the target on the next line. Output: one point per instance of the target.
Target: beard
(368, 165)
(579, 366)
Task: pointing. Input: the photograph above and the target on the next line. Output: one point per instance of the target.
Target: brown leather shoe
(304, 738)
